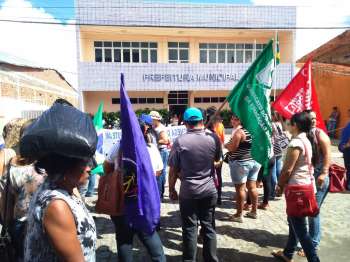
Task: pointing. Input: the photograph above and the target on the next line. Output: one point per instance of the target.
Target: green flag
(250, 101)
(98, 117)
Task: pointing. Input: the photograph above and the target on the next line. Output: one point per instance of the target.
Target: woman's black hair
(302, 120)
(55, 166)
(63, 101)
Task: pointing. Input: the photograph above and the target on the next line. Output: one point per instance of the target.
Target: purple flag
(142, 202)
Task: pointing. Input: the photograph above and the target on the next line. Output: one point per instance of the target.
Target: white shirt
(156, 159)
(303, 171)
(153, 151)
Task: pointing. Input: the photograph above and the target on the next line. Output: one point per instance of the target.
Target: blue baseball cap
(147, 119)
(193, 114)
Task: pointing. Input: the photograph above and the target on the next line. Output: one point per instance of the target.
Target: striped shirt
(276, 134)
(243, 152)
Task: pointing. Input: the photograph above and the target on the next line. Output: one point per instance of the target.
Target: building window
(143, 100)
(178, 52)
(178, 98)
(209, 99)
(116, 101)
(125, 52)
(228, 53)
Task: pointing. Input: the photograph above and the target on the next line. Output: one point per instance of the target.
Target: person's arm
(163, 138)
(233, 144)
(59, 224)
(173, 175)
(288, 166)
(174, 163)
(325, 145)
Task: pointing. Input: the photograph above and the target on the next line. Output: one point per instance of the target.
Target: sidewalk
(251, 241)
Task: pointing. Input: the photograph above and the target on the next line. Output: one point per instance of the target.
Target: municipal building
(174, 55)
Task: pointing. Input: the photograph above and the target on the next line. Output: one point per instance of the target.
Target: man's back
(193, 154)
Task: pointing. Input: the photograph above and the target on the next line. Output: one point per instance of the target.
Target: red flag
(300, 95)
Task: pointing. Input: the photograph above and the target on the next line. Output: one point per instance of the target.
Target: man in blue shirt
(344, 146)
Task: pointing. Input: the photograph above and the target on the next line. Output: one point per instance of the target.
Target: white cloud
(47, 45)
(315, 13)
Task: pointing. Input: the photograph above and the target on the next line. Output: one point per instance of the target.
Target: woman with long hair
(296, 171)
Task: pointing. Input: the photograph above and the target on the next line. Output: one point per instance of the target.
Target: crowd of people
(42, 201)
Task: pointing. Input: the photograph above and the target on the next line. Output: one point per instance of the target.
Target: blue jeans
(298, 230)
(125, 237)
(276, 171)
(191, 211)
(315, 222)
(164, 153)
(91, 185)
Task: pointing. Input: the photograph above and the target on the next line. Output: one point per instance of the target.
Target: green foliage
(111, 118)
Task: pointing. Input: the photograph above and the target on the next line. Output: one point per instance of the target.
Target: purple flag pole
(142, 201)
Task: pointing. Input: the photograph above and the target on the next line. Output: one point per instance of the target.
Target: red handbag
(301, 199)
(337, 177)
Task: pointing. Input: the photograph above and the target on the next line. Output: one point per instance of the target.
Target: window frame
(176, 46)
(128, 46)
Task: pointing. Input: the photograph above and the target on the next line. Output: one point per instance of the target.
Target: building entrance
(178, 102)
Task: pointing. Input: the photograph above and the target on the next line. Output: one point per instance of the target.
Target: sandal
(252, 215)
(279, 254)
(263, 206)
(235, 218)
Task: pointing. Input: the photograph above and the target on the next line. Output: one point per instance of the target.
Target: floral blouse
(37, 247)
(24, 182)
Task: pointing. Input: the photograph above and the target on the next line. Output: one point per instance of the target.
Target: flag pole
(275, 69)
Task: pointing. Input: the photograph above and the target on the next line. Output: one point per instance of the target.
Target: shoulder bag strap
(308, 158)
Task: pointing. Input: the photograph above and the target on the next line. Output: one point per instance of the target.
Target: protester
(174, 121)
(192, 160)
(61, 227)
(11, 140)
(124, 233)
(344, 147)
(92, 180)
(332, 122)
(148, 121)
(321, 160)
(214, 124)
(267, 185)
(163, 142)
(243, 169)
(297, 171)
(279, 139)
(23, 182)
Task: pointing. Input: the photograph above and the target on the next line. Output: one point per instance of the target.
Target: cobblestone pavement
(251, 241)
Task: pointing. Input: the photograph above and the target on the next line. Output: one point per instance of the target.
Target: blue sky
(62, 14)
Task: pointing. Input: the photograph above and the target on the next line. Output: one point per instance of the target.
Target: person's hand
(279, 191)
(218, 164)
(173, 195)
(321, 179)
